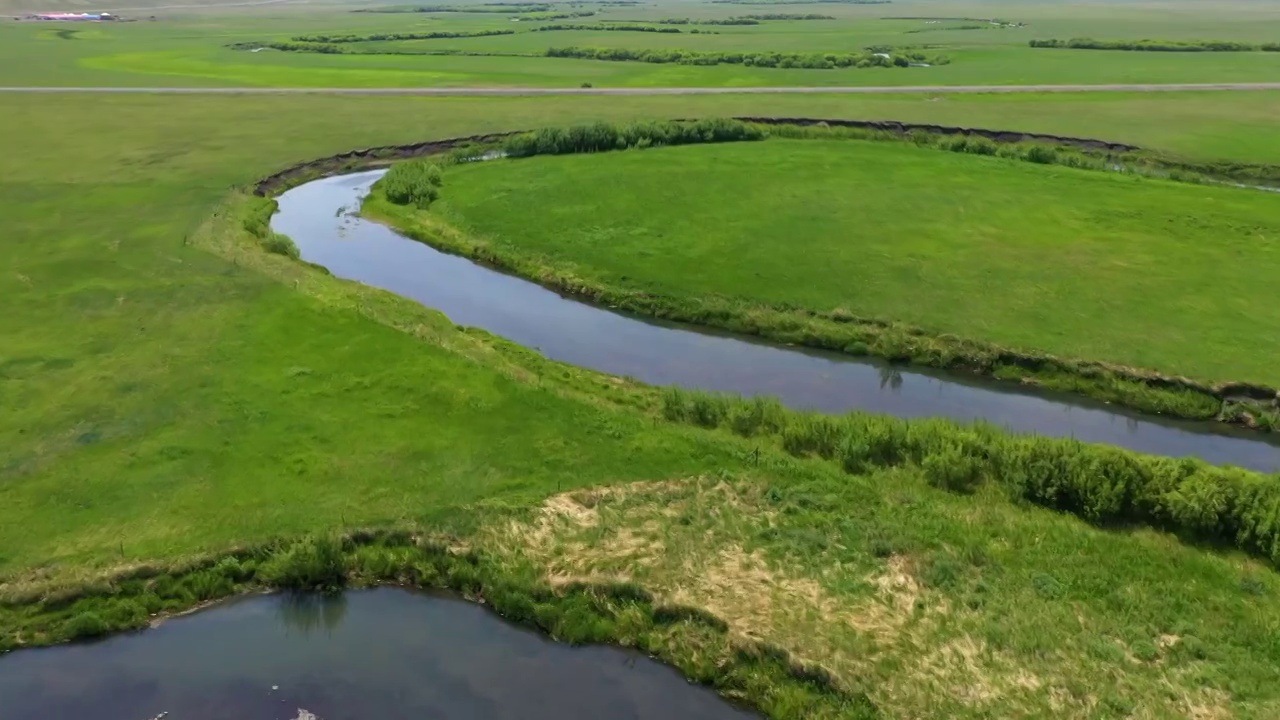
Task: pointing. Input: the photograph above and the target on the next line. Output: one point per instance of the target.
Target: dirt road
(516, 91)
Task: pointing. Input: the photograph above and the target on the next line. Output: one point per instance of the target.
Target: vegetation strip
(379, 37)
(1099, 483)
(1250, 405)
(1158, 45)
(813, 61)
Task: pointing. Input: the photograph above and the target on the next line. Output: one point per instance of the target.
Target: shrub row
(789, 16)
(613, 28)
(1099, 483)
(398, 36)
(1157, 45)
(817, 61)
(558, 15)
(801, 2)
(487, 8)
(414, 183)
(601, 137)
(721, 21)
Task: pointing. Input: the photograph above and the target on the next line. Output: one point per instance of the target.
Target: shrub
(1042, 154)
(315, 564)
(281, 245)
(414, 183)
(87, 625)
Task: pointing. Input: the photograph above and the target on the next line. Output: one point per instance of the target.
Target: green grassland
(1074, 262)
(171, 389)
(184, 50)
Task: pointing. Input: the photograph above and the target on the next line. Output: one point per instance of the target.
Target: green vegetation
(1098, 483)
(378, 37)
(498, 8)
(765, 243)
(190, 412)
(810, 61)
(415, 183)
(1157, 45)
(606, 136)
(788, 16)
(609, 28)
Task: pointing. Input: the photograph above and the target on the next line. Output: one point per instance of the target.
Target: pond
(319, 217)
(382, 654)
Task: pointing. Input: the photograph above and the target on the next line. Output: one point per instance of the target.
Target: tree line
(398, 36)
(1157, 45)
(813, 61)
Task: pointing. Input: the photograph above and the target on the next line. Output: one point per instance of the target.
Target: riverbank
(615, 276)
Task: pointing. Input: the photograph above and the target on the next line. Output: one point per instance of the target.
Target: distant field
(191, 50)
(1077, 263)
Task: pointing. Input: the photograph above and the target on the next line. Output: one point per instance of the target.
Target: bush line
(1158, 45)
(581, 613)
(378, 37)
(811, 61)
(1099, 483)
(610, 28)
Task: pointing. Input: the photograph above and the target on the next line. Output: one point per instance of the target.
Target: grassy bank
(1074, 292)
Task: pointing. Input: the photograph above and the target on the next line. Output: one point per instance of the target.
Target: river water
(319, 216)
(386, 654)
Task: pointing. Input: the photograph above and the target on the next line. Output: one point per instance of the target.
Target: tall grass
(1099, 483)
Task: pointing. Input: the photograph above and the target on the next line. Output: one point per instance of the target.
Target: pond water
(319, 217)
(383, 654)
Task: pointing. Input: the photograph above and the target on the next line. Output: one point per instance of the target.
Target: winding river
(320, 217)
(386, 654)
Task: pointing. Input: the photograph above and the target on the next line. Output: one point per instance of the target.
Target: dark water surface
(318, 218)
(385, 654)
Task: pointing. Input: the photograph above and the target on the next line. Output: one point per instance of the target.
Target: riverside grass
(766, 299)
(174, 400)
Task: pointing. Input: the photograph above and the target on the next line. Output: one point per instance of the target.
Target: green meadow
(185, 415)
(178, 49)
(1070, 261)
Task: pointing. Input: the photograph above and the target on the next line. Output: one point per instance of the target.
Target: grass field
(1074, 262)
(169, 389)
(180, 49)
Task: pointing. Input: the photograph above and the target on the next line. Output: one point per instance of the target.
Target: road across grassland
(518, 91)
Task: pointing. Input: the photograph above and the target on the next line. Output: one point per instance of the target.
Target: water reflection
(306, 613)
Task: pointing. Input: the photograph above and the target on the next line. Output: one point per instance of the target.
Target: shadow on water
(319, 216)
(387, 654)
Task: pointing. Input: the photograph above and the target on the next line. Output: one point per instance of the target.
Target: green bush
(1099, 483)
(315, 564)
(1042, 154)
(87, 625)
(281, 245)
(414, 183)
